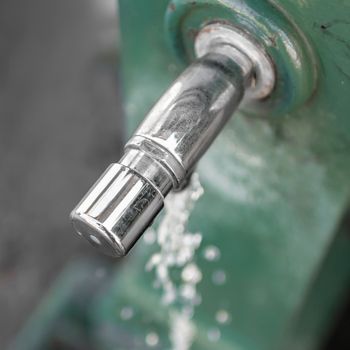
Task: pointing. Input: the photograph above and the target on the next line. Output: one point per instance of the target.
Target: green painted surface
(275, 188)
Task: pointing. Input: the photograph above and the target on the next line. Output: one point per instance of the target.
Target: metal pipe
(164, 150)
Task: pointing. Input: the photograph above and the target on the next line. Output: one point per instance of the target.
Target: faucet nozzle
(175, 134)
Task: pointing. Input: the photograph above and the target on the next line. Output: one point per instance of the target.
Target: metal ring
(218, 34)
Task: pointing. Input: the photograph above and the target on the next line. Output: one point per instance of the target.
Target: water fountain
(269, 266)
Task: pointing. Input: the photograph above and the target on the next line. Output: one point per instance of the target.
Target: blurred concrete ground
(59, 128)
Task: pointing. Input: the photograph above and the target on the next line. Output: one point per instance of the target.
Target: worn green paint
(279, 185)
(295, 63)
(276, 187)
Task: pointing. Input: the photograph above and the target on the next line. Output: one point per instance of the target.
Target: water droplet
(191, 274)
(169, 295)
(222, 316)
(188, 291)
(126, 313)
(182, 330)
(152, 339)
(154, 261)
(214, 335)
(219, 277)
(197, 239)
(212, 253)
(187, 312)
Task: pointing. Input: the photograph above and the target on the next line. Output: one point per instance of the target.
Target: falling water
(177, 250)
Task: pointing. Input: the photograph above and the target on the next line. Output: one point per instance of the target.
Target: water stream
(176, 272)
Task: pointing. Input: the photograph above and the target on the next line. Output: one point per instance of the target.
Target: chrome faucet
(230, 68)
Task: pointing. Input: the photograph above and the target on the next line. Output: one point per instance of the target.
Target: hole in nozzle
(94, 240)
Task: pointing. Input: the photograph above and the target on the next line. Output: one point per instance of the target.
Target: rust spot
(207, 29)
(273, 40)
(172, 6)
(192, 33)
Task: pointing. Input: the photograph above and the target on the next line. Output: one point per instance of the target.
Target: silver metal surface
(217, 35)
(116, 210)
(164, 150)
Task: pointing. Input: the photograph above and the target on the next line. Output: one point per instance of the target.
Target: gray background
(59, 129)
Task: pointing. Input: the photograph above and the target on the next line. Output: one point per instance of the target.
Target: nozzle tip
(117, 210)
(97, 235)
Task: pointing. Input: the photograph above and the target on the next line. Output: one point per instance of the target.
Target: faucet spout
(166, 147)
